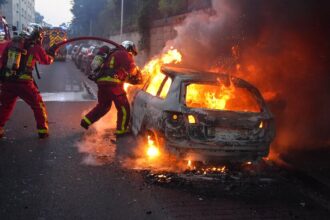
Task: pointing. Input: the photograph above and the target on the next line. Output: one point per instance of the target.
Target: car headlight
(191, 119)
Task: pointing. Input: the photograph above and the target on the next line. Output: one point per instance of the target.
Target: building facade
(19, 13)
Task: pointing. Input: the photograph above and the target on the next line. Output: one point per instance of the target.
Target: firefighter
(116, 66)
(20, 59)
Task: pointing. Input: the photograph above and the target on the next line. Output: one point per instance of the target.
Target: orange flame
(152, 69)
(220, 97)
(152, 150)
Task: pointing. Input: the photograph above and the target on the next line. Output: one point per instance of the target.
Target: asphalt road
(80, 175)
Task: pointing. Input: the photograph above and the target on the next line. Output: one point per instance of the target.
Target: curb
(90, 90)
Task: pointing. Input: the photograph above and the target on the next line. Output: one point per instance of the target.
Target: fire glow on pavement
(152, 150)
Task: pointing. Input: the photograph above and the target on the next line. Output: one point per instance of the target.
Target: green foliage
(39, 18)
(109, 18)
(112, 15)
(85, 15)
(138, 15)
(172, 7)
(147, 11)
(103, 17)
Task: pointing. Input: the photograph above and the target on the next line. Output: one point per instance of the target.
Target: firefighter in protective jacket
(115, 69)
(20, 59)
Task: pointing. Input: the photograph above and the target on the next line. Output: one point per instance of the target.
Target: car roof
(192, 74)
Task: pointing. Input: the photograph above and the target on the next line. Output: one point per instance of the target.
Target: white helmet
(130, 47)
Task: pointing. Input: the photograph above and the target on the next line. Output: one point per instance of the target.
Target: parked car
(79, 56)
(210, 116)
(74, 50)
(77, 52)
(87, 59)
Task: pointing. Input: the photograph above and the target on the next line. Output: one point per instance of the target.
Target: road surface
(83, 175)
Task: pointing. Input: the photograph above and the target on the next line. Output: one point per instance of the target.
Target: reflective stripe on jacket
(118, 66)
(35, 53)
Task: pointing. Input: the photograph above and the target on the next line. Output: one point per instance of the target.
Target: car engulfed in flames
(200, 115)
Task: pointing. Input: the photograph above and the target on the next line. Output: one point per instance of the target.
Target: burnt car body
(212, 135)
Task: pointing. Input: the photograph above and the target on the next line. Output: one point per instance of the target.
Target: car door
(148, 103)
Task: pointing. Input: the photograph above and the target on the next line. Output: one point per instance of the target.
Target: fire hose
(53, 49)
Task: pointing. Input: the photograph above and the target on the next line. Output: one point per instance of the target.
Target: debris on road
(228, 179)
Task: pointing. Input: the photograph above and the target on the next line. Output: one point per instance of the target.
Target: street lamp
(20, 26)
(122, 20)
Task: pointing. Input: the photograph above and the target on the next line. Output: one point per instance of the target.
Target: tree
(86, 14)
(39, 18)
(64, 25)
(109, 19)
(147, 13)
(172, 7)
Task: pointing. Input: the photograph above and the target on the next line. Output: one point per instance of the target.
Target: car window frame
(146, 85)
(162, 87)
(183, 94)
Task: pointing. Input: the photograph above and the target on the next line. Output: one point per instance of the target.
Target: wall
(161, 31)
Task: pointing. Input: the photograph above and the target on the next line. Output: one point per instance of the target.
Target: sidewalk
(89, 85)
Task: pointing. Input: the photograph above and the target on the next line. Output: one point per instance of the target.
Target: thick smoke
(282, 47)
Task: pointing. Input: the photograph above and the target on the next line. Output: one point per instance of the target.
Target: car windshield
(220, 97)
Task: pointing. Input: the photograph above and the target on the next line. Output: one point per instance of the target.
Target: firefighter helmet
(37, 33)
(104, 49)
(130, 47)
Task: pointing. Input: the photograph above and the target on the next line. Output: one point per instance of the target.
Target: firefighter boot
(124, 133)
(84, 124)
(43, 135)
(2, 132)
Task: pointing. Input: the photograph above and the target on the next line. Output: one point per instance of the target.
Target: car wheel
(137, 130)
(144, 133)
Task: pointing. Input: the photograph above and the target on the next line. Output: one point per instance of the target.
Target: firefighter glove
(52, 51)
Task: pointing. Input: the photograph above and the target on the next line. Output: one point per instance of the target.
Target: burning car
(203, 116)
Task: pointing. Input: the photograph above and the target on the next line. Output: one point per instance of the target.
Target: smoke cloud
(97, 143)
(280, 46)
